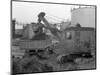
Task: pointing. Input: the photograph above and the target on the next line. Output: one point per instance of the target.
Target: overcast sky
(27, 12)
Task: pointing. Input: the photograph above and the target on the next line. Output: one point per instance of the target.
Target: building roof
(34, 44)
(80, 29)
(79, 8)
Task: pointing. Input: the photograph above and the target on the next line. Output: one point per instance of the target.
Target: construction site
(45, 47)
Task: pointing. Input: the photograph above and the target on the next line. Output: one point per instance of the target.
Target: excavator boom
(54, 31)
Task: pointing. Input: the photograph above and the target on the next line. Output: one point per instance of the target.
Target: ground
(33, 64)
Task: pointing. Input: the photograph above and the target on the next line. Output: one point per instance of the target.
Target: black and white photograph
(52, 37)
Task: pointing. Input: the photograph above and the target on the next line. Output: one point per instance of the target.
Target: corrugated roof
(35, 44)
(80, 28)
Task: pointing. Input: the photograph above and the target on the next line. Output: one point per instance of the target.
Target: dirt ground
(50, 64)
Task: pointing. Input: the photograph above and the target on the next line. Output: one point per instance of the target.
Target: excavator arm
(54, 31)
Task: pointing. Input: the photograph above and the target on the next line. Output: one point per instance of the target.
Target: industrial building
(77, 39)
(85, 16)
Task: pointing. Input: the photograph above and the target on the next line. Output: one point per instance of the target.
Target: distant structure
(85, 16)
(18, 31)
(28, 32)
(64, 25)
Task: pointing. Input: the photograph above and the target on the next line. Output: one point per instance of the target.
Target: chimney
(13, 28)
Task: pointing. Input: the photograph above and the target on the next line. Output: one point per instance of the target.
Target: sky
(26, 12)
